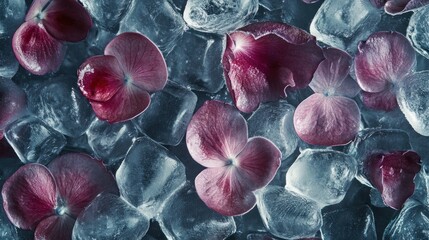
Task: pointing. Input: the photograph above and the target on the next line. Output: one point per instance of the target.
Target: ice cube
(337, 23)
(7, 230)
(287, 215)
(8, 63)
(185, 216)
(110, 217)
(12, 14)
(148, 175)
(34, 141)
(349, 223)
(195, 62)
(274, 121)
(321, 175)
(272, 5)
(168, 115)
(219, 16)
(107, 13)
(418, 31)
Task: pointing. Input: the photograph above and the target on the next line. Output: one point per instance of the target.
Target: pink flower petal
(67, 20)
(384, 100)
(55, 227)
(29, 195)
(13, 102)
(80, 178)
(327, 121)
(386, 57)
(223, 191)
(100, 77)
(349, 88)
(126, 104)
(378, 3)
(141, 60)
(401, 6)
(36, 50)
(36, 9)
(216, 134)
(262, 59)
(393, 175)
(258, 163)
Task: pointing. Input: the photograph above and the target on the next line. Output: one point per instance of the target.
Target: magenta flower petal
(400, 6)
(100, 77)
(67, 20)
(262, 59)
(222, 190)
(216, 134)
(36, 50)
(385, 58)
(327, 121)
(29, 196)
(393, 175)
(384, 100)
(35, 9)
(349, 88)
(258, 163)
(55, 227)
(378, 3)
(141, 61)
(80, 178)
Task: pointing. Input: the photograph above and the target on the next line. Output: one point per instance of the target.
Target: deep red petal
(100, 77)
(258, 163)
(400, 6)
(13, 102)
(327, 121)
(141, 60)
(29, 195)
(216, 134)
(67, 20)
(384, 100)
(221, 190)
(36, 50)
(386, 57)
(128, 102)
(80, 178)
(55, 227)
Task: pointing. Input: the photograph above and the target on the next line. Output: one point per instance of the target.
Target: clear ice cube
(107, 13)
(12, 14)
(8, 63)
(418, 31)
(7, 230)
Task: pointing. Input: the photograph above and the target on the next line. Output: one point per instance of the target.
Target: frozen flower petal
(55, 227)
(384, 100)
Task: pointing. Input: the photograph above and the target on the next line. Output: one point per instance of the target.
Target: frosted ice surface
(185, 216)
(8, 63)
(287, 215)
(418, 31)
(349, 223)
(107, 13)
(12, 14)
(321, 175)
(219, 16)
(7, 230)
(110, 217)
(34, 141)
(168, 114)
(149, 175)
(337, 23)
(274, 121)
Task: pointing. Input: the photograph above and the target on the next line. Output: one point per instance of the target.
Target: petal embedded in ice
(258, 163)
(80, 178)
(401, 6)
(100, 77)
(393, 175)
(386, 57)
(36, 50)
(141, 60)
(216, 134)
(222, 190)
(327, 121)
(384, 100)
(55, 227)
(29, 196)
(13, 102)
(67, 20)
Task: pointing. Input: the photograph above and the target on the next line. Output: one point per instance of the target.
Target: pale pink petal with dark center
(327, 121)
(386, 57)
(384, 100)
(80, 178)
(55, 228)
(29, 196)
(216, 134)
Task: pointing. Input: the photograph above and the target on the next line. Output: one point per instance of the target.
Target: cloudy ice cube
(185, 216)
(60, 104)
(168, 114)
(195, 62)
(12, 14)
(413, 101)
(418, 31)
(107, 13)
(321, 175)
(287, 215)
(110, 142)
(337, 23)
(272, 5)
(98, 40)
(274, 121)
(349, 223)
(7, 230)
(34, 141)
(376, 199)
(8, 63)
(148, 175)
(110, 217)
(219, 16)
(158, 20)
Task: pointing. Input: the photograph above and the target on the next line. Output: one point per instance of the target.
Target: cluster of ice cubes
(314, 195)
